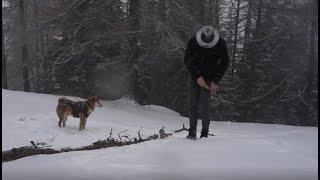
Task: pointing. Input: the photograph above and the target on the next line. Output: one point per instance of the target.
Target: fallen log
(25, 151)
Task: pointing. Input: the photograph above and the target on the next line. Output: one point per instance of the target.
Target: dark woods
(113, 48)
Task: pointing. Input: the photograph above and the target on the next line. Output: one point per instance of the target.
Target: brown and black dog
(78, 109)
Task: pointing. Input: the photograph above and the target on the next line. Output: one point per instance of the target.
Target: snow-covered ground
(238, 151)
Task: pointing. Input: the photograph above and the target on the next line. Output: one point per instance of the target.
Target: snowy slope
(30, 116)
(238, 151)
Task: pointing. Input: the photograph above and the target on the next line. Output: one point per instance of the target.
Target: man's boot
(192, 134)
(204, 133)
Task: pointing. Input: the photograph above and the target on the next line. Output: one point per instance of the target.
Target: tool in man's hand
(211, 93)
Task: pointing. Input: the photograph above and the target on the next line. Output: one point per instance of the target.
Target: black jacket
(210, 63)
(77, 107)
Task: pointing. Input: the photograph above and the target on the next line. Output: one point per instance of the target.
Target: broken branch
(182, 129)
(121, 133)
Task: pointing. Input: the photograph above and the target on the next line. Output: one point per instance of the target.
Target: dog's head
(94, 102)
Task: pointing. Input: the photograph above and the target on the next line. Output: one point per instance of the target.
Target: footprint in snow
(25, 118)
(22, 119)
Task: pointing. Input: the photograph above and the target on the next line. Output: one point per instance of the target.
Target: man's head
(207, 36)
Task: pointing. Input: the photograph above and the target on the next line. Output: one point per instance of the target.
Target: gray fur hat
(207, 36)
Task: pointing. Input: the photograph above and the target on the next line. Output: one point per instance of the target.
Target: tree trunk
(202, 12)
(162, 8)
(134, 47)
(197, 9)
(216, 13)
(305, 117)
(134, 6)
(309, 75)
(213, 14)
(247, 31)
(254, 54)
(233, 62)
(4, 66)
(24, 50)
(37, 52)
(253, 57)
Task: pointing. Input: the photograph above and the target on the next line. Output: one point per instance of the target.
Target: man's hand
(201, 82)
(214, 88)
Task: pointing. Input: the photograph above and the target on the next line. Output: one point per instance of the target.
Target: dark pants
(198, 96)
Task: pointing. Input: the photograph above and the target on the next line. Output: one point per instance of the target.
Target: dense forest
(135, 48)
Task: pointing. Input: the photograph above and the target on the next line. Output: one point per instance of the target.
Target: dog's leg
(82, 119)
(60, 120)
(65, 120)
(85, 123)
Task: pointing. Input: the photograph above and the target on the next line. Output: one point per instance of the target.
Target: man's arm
(189, 61)
(223, 65)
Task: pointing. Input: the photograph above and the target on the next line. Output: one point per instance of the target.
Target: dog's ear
(94, 98)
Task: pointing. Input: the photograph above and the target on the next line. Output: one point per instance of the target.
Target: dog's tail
(61, 101)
